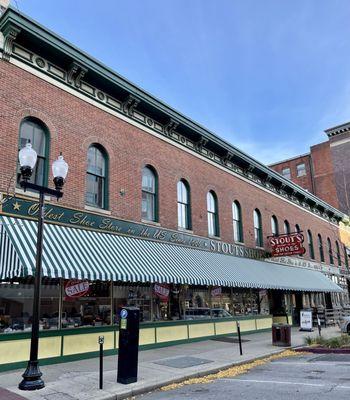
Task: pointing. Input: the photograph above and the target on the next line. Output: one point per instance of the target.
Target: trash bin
(281, 335)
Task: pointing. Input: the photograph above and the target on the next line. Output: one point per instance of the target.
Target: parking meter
(128, 344)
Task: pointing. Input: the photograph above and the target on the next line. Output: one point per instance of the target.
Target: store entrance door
(297, 308)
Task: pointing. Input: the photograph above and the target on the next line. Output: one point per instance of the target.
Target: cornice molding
(10, 33)
(337, 130)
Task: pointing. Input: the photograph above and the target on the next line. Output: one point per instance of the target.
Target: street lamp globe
(59, 172)
(27, 160)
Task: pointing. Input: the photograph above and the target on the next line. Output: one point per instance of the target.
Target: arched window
(149, 194)
(311, 245)
(35, 131)
(298, 230)
(286, 227)
(274, 225)
(258, 233)
(346, 257)
(330, 251)
(212, 210)
(96, 177)
(337, 248)
(237, 222)
(320, 247)
(183, 205)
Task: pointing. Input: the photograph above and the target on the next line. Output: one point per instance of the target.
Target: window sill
(150, 222)
(184, 230)
(239, 243)
(28, 193)
(97, 210)
(260, 247)
(214, 237)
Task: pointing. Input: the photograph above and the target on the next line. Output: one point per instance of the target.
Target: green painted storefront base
(82, 343)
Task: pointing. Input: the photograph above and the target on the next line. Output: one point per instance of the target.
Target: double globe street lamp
(27, 160)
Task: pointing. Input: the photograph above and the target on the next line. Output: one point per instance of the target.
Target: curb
(152, 387)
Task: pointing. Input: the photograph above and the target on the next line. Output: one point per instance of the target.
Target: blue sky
(267, 75)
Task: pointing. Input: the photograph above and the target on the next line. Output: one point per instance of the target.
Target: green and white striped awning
(83, 254)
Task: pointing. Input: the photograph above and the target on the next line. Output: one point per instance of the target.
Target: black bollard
(101, 340)
(239, 338)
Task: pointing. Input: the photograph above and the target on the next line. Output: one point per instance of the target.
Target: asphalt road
(303, 377)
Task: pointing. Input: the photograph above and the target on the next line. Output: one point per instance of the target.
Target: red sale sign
(162, 291)
(75, 288)
(287, 244)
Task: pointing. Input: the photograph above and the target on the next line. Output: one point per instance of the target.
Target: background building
(325, 170)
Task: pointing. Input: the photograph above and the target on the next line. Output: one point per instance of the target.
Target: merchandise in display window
(135, 296)
(245, 302)
(86, 304)
(16, 305)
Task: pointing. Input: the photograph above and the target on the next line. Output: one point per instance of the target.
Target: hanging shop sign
(75, 288)
(287, 244)
(19, 207)
(162, 291)
(216, 291)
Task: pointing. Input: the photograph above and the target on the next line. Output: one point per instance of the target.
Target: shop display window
(246, 302)
(16, 305)
(92, 308)
(135, 296)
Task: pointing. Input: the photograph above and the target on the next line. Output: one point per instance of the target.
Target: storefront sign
(216, 291)
(299, 262)
(75, 288)
(306, 320)
(162, 291)
(287, 244)
(19, 207)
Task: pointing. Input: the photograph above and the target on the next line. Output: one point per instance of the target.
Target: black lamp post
(27, 159)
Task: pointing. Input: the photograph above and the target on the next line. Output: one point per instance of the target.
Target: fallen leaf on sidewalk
(232, 371)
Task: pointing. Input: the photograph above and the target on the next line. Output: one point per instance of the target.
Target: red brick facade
(327, 169)
(74, 125)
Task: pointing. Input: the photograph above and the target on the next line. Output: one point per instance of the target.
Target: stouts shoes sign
(287, 244)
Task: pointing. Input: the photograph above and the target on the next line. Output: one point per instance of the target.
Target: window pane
(33, 132)
(92, 309)
(211, 224)
(96, 161)
(301, 171)
(286, 227)
(210, 202)
(182, 195)
(274, 226)
(148, 206)
(237, 222)
(148, 180)
(286, 172)
(183, 205)
(94, 190)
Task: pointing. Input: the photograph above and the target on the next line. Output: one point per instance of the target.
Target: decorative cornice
(10, 33)
(82, 62)
(170, 127)
(337, 130)
(130, 104)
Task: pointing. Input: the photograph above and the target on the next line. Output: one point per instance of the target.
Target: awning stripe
(82, 254)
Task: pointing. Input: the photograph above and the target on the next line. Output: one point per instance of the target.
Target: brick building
(325, 170)
(157, 212)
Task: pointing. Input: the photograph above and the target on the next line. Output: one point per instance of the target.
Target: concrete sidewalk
(158, 367)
